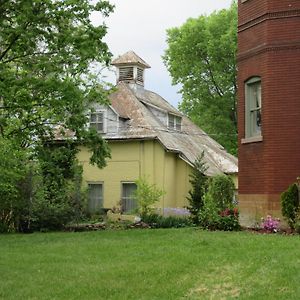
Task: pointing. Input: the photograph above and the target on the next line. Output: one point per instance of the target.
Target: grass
(149, 264)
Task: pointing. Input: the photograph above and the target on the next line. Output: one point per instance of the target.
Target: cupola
(130, 68)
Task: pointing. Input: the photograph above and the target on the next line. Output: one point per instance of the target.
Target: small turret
(130, 68)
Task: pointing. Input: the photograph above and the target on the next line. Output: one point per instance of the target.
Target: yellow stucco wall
(133, 159)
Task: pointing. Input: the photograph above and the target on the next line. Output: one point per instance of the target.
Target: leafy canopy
(201, 58)
(47, 49)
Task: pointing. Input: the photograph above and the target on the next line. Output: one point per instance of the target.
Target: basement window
(174, 122)
(97, 121)
(253, 108)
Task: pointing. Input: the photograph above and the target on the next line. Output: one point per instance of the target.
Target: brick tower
(268, 104)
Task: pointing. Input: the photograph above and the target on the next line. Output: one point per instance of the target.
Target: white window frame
(253, 110)
(176, 124)
(98, 112)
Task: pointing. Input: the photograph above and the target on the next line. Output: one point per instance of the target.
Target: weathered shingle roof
(134, 103)
(128, 58)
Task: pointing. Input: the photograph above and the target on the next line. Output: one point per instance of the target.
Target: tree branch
(13, 42)
(218, 90)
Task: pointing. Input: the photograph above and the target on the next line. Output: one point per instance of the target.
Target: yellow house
(148, 138)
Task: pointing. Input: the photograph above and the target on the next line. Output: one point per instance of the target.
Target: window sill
(253, 139)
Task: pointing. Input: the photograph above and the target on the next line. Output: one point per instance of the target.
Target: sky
(140, 25)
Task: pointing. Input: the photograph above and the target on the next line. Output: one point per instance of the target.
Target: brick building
(269, 104)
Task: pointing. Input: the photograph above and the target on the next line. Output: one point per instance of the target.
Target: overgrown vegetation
(43, 194)
(46, 85)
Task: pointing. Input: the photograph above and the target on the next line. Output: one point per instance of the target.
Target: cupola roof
(130, 58)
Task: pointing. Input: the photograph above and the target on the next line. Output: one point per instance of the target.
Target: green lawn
(149, 264)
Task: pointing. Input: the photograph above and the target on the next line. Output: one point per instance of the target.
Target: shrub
(221, 189)
(146, 195)
(290, 204)
(198, 180)
(297, 226)
(13, 169)
(62, 199)
(159, 221)
(218, 212)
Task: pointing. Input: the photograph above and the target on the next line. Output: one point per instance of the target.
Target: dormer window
(174, 122)
(97, 121)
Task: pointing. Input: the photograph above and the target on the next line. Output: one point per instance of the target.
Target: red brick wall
(269, 47)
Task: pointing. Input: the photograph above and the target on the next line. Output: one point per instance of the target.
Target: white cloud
(140, 25)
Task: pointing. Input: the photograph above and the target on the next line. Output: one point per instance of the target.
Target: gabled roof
(135, 103)
(130, 58)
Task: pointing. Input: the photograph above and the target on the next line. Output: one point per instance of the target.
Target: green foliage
(209, 214)
(146, 195)
(218, 212)
(62, 199)
(159, 221)
(46, 79)
(46, 85)
(13, 170)
(201, 57)
(290, 204)
(198, 181)
(221, 189)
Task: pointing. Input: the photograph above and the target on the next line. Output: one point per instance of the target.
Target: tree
(198, 180)
(46, 79)
(201, 58)
(146, 195)
(12, 171)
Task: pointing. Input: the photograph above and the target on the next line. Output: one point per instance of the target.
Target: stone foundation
(253, 207)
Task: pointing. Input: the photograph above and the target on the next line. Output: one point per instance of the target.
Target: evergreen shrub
(290, 204)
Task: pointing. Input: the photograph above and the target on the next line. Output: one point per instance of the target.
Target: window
(128, 202)
(95, 197)
(253, 108)
(174, 122)
(140, 76)
(125, 73)
(97, 121)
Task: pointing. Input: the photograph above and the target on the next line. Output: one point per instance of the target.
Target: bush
(13, 169)
(198, 180)
(218, 212)
(221, 189)
(159, 221)
(146, 195)
(61, 199)
(290, 204)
